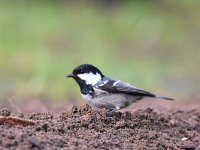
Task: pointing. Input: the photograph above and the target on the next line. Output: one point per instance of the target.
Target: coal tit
(104, 92)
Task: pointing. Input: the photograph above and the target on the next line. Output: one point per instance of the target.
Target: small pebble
(184, 139)
(20, 115)
(5, 112)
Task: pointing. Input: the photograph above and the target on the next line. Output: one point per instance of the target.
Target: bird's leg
(110, 112)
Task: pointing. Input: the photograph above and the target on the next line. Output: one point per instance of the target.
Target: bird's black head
(86, 74)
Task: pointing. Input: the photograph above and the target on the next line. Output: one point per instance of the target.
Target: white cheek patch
(90, 78)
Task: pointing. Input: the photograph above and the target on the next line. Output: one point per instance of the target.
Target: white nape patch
(115, 83)
(90, 78)
(105, 82)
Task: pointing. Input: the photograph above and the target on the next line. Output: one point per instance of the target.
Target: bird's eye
(81, 71)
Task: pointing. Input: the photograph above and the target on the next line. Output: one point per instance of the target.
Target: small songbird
(104, 92)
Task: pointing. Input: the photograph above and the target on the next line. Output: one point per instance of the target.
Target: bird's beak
(70, 75)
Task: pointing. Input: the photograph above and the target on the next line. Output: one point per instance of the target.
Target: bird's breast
(87, 97)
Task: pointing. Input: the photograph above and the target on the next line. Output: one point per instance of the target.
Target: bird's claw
(110, 113)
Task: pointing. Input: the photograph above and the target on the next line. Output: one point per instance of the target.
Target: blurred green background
(153, 44)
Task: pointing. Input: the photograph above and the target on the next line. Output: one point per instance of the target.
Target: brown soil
(83, 127)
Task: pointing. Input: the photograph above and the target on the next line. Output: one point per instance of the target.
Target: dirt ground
(146, 125)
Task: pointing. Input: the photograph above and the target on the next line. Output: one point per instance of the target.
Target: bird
(107, 93)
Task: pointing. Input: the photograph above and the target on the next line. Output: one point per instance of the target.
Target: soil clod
(5, 112)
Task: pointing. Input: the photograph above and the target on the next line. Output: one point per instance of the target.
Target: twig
(11, 121)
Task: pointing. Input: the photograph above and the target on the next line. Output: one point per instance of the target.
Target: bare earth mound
(85, 128)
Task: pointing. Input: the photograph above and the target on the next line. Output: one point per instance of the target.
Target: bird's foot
(110, 113)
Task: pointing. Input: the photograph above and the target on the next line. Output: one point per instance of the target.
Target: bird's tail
(166, 98)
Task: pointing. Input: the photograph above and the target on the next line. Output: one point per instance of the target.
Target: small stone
(20, 115)
(184, 139)
(148, 110)
(5, 112)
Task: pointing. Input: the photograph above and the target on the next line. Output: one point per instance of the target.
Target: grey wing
(123, 87)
